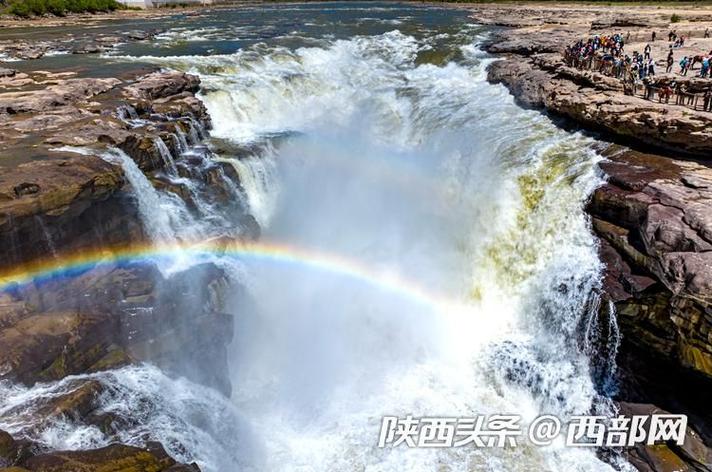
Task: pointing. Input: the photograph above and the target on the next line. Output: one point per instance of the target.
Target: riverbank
(12, 21)
(653, 214)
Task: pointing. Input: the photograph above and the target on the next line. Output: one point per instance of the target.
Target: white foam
(424, 171)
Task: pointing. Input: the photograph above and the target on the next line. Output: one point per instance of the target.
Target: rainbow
(80, 262)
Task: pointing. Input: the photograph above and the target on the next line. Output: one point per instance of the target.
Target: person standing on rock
(707, 104)
(652, 36)
(648, 87)
(670, 62)
(646, 51)
(665, 92)
(680, 94)
(707, 33)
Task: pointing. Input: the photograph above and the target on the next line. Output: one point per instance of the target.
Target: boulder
(163, 84)
(12, 451)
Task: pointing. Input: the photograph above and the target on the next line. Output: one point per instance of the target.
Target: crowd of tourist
(607, 55)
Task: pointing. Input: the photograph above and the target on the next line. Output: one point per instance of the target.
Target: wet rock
(49, 346)
(139, 35)
(26, 188)
(116, 457)
(14, 451)
(660, 227)
(118, 316)
(692, 455)
(163, 84)
(78, 401)
(63, 193)
(90, 48)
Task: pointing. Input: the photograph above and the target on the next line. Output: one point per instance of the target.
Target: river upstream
(423, 248)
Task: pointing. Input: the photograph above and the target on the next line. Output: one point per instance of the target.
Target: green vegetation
(28, 8)
(674, 18)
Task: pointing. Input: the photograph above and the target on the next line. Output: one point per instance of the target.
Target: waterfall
(433, 259)
(390, 174)
(127, 112)
(156, 212)
(47, 236)
(258, 183)
(195, 131)
(601, 339)
(166, 155)
(183, 142)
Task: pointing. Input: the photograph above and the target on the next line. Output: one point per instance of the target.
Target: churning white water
(353, 149)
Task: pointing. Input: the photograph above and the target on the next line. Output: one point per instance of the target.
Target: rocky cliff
(49, 196)
(59, 195)
(56, 200)
(653, 216)
(539, 77)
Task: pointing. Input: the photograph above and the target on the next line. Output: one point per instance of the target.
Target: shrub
(675, 18)
(27, 8)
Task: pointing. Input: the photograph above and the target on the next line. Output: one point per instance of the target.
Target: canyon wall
(653, 218)
(63, 194)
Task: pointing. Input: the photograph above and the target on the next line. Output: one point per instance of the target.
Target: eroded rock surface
(50, 194)
(653, 219)
(81, 42)
(17, 456)
(598, 101)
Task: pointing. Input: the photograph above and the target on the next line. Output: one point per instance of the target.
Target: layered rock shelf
(540, 78)
(59, 194)
(52, 195)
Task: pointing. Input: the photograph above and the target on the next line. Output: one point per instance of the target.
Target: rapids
(384, 146)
